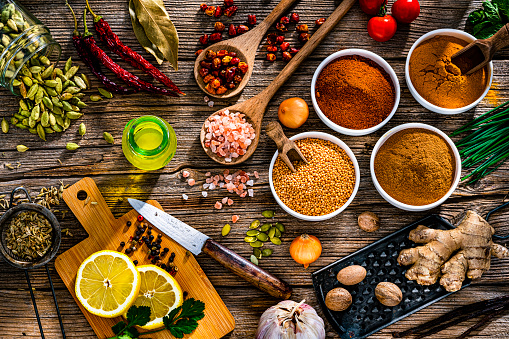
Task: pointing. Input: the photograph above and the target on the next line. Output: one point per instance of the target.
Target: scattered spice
(228, 134)
(415, 166)
(438, 80)
(29, 235)
(355, 92)
(221, 71)
(320, 187)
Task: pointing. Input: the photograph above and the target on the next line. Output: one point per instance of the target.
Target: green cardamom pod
(66, 96)
(32, 91)
(47, 102)
(23, 91)
(25, 113)
(36, 111)
(86, 80)
(59, 86)
(51, 83)
(57, 128)
(31, 122)
(12, 25)
(23, 105)
(19, 116)
(38, 77)
(71, 146)
(44, 60)
(95, 97)
(35, 69)
(82, 129)
(72, 89)
(32, 130)
(22, 148)
(6, 40)
(73, 115)
(5, 126)
(41, 132)
(16, 83)
(56, 102)
(47, 72)
(81, 104)
(68, 65)
(59, 120)
(79, 82)
(52, 119)
(66, 106)
(5, 15)
(45, 119)
(51, 91)
(64, 79)
(79, 95)
(38, 96)
(71, 72)
(48, 130)
(57, 110)
(75, 108)
(19, 55)
(20, 125)
(67, 123)
(108, 137)
(14, 121)
(105, 93)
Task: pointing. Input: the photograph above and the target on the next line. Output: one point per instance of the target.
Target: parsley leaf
(138, 315)
(119, 327)
(187, 321)
(488, 20)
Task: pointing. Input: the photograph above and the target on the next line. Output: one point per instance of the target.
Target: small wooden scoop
(477, 54)
(288, 150)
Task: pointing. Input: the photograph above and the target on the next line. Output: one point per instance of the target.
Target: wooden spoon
(254, 108)
(245, 46)
(477, 54)
(288, 150)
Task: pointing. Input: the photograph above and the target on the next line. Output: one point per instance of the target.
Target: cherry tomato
(382, 28)
(406, 11)
(372, 7)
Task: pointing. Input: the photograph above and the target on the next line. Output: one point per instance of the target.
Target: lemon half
(159, 291)
(107, 283)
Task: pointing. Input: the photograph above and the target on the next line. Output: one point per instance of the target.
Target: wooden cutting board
(106, 233)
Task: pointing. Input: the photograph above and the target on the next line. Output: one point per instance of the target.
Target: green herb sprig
(487, 20)
(487, 145)
(182, 320)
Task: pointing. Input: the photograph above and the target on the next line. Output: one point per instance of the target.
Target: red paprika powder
(355, 92)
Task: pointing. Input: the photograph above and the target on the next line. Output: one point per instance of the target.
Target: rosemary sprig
(486, 146)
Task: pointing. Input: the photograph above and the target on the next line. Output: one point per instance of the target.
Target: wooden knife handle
(247, 270)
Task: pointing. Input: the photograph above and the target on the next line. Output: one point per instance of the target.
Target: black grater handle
(21, 188)
(498, 237)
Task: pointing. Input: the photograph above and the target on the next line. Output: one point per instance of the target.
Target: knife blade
(196, 242)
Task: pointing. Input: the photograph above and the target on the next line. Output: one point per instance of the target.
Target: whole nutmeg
(368, 221)
(351, 275)
(388, 294)
(338, 299)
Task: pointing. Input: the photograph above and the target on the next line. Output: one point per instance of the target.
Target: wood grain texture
(118, 180)
(105, 233)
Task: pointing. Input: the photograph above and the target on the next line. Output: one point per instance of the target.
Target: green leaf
(119, 327)
(190, 312)
(138, 315)
(142, 36)
(126, 336)
(158, 27)
(133, 332)
(489, 19)
(192, 308)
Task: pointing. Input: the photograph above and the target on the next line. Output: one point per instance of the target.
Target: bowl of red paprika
(355, 92)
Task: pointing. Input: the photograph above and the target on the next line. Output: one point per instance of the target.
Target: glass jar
(22, 37)
(149, 142)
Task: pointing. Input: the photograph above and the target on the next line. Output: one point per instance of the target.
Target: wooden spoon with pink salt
(231, 135)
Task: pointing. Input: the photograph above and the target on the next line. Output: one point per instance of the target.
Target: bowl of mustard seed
(322, 188)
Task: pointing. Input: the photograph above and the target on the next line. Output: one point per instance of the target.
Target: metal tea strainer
(25, 265)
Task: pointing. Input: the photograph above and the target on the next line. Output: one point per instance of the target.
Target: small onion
(305, 249)
(290, 320)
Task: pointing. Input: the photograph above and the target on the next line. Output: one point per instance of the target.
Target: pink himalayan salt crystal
(185, 197)
(228, 134)
(257, 176)
(235, 218)
(225, 200)
(191, 182)
(218, 205)
(207, 174)
(230, 202)
(185, 174)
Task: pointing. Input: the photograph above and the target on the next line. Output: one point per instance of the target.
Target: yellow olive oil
(149, 142)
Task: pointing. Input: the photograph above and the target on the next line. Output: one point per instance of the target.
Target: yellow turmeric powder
(438, 80)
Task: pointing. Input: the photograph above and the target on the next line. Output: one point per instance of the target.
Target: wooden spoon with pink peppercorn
(254, 108)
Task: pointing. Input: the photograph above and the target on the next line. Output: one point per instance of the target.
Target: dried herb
(29, 235)
(158, 28)
(142, 36)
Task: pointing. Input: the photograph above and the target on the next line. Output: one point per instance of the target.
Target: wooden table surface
(118, 180)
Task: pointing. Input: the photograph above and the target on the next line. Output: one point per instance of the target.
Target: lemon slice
(107, 283)
(159, 291)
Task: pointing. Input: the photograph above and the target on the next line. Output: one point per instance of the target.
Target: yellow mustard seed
(320, 187)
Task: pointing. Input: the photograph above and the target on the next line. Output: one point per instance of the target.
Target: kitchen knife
(196, 242)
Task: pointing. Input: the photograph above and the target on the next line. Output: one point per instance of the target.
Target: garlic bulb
(290, 320)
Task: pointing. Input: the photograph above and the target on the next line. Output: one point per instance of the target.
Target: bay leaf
(142, 36)
(158, 27)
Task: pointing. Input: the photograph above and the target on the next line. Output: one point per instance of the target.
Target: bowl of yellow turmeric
(437, 83)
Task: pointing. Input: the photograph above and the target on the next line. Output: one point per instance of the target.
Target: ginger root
(470, 243)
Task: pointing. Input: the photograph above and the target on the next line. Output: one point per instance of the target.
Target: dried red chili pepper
(228, 3)
(204, 39)
(241, 29)
(218, 12)
(127, 77)
(294, 18)
(232, 31)
(230, 11)
(284, 46)
(203, 7)
(251, 19)
(215, 37)
(280, 39)
(219, 26)
(320, 21)
(107, 36)
(92, 63)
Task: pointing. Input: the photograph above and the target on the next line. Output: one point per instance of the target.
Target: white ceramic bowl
(331, 138)
(391, 200)
(379, 61)
(426, 104)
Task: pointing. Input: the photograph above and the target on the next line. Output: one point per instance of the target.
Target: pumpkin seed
(276, 241)
(267, 252)
(250, 239)
(254, 259)
(272, 232)
(226, 229)
(254, 224)
(21, 148)
(5, 126)
(277, 233)
(71, 146)
(263, 237)
(252, 233)
(280, 227)
(83, 129)
(268, 214)
(265, 227)
(109, 138)
(257, 253)
(105, 93)
(256, 244)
